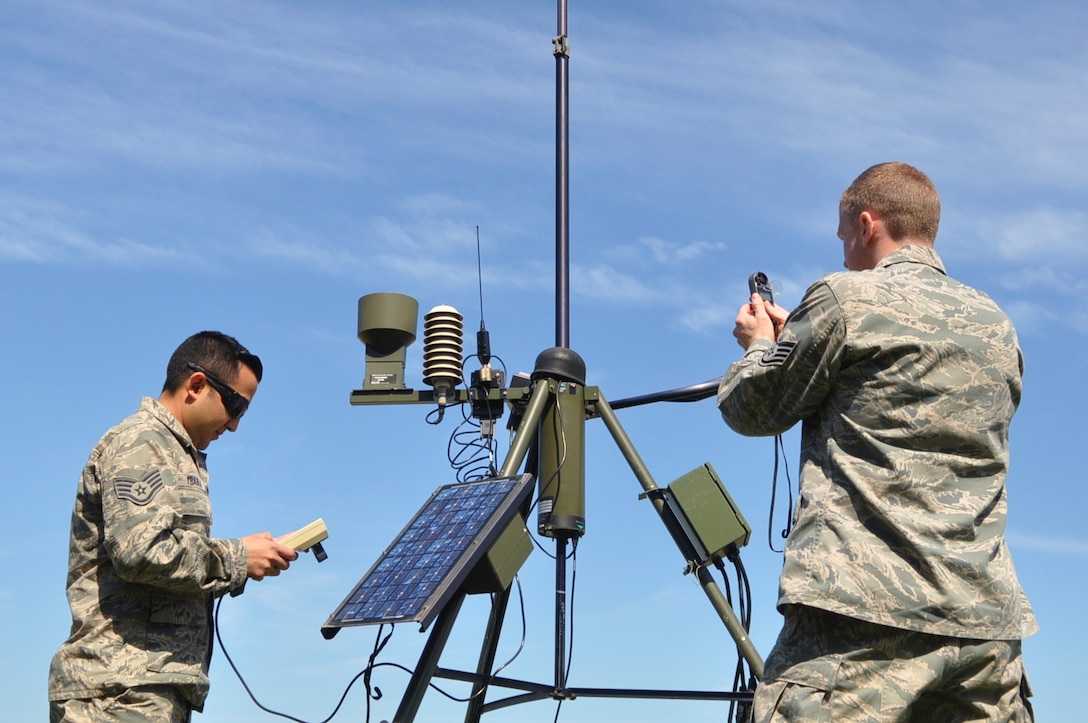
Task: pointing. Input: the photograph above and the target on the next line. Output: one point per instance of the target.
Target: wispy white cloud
(1055, 545)
(1053, 234)
(252, 90)
(707, 317)
(183, 91)
(43, 232)
(669, 252)
(957, 103)
(654, 272)
(1040, 285)
(300, 253)
(429, 243)
(607, 283)
(57, 122)
(1031, 316)
(234, 90)
(430, 204)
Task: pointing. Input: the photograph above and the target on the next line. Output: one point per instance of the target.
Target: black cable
(524, 630)
(379, 643)
(745, 682)
(742, 579)
(570, 608)
(574, 546)
(521, 646)
(541, 486)
(469, 453)
(779, 446)
(494, 673)
(726, 584)
(365, 674)
(789, 485)
(744, 602)
(738, 674)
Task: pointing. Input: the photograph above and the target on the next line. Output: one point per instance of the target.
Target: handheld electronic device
(758, 283)
(309, 537)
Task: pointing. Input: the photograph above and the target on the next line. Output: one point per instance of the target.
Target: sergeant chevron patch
(777, 354)
(141, 491)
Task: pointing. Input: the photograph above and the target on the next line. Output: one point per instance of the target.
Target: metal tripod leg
(717, 599)
(428, 660)
(487, 655)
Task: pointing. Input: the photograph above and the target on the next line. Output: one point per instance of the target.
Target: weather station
(472, 536)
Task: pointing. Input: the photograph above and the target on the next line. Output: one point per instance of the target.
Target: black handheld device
(758, 283)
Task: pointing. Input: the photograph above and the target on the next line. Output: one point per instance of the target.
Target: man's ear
(868, 227)
(194, 385)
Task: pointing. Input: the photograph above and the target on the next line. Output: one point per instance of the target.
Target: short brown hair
(904, 198)
(217, 352)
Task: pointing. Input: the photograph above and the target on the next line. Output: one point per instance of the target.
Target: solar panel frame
(426, 563)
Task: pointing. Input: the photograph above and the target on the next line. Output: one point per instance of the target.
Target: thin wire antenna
(480, 274)
(483, 339)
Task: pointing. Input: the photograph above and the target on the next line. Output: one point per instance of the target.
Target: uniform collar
(913, 254)
(164, 415)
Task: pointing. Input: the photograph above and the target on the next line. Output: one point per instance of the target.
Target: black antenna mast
(562, 179)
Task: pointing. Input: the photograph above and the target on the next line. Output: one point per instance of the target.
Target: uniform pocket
(786, 701)
(178, 634)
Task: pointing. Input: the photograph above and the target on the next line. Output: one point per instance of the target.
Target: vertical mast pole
(562, 180)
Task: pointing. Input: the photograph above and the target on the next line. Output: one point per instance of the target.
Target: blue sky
(167, 167)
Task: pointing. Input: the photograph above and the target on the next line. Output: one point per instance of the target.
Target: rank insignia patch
(777, 354)
(141, 491)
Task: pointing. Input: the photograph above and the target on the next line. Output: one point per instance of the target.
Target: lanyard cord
(779, 446)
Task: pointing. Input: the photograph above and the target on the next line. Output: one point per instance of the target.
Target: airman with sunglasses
(143, 567)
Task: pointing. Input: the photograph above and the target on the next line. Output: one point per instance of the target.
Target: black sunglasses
(235, 404)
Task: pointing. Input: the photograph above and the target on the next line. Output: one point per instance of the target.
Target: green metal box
(710, 513)
(495, 571)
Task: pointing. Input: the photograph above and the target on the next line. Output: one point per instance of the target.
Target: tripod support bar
(717, 599)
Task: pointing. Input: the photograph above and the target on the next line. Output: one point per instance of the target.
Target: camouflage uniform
(143, 570)
(906, 382)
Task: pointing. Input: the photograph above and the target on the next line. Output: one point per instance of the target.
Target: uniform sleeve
(772, 387)
(157, 524)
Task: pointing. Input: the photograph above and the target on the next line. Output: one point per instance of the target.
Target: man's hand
(758, 319)
(265, 556)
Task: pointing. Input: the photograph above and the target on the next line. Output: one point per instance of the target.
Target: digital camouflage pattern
(143, 569)
(905, 382)
(158, 703)
(825, 667)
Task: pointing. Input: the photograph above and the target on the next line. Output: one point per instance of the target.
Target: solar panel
(432, 556)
